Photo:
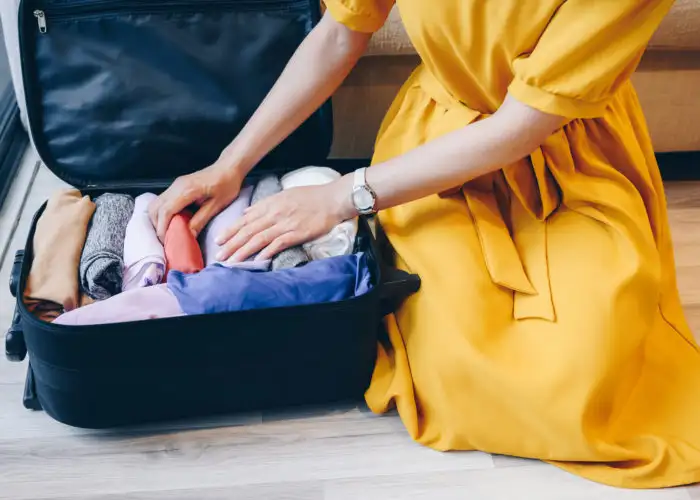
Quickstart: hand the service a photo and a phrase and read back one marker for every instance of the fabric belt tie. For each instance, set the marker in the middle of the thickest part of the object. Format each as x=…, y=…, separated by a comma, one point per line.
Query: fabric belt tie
x=517, y=262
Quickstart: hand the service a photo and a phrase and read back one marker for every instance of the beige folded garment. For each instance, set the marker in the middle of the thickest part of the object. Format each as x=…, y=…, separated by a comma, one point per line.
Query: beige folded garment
x=52, y=286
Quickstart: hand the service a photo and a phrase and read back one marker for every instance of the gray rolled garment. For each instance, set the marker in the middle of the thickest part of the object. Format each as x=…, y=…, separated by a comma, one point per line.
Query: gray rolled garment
x=102, y=260
x=292, y=257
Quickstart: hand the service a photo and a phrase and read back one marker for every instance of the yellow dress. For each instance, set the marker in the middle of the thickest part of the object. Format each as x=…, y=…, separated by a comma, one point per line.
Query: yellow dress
x=549, y=323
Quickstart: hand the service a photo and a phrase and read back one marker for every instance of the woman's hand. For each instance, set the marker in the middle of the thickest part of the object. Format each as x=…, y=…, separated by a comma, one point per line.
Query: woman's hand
x=212, y=189
x=287, y=219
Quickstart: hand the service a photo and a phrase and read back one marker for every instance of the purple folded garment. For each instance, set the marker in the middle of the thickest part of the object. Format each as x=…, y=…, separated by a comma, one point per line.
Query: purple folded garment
x=218, y=289
x=144, y=257
x=138, y=304
x=224, y=220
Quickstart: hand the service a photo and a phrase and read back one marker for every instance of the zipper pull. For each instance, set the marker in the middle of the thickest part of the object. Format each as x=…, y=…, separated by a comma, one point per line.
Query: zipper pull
x=41, y=19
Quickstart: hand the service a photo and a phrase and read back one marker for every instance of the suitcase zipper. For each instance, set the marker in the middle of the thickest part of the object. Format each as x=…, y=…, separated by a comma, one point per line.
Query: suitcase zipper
x=41, y=19
x=81, y=9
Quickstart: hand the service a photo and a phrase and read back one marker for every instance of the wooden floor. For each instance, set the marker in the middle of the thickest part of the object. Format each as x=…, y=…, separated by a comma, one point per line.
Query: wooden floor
x=326, y=453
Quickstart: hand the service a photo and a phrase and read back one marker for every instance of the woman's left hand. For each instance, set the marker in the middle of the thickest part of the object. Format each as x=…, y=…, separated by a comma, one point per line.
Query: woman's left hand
x=287, y=219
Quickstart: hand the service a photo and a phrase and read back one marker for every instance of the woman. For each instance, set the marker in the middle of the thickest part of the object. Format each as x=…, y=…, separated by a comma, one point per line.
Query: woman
x=515, y=174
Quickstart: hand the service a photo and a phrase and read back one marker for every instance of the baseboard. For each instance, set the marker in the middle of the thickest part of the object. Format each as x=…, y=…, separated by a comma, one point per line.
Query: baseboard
x=680, y=166
x=13, y=141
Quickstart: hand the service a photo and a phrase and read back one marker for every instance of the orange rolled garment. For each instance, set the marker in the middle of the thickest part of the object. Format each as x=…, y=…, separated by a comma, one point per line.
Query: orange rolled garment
x=182, y=252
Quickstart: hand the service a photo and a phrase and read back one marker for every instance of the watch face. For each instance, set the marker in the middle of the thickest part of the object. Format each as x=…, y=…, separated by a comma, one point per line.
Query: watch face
x=363, y=199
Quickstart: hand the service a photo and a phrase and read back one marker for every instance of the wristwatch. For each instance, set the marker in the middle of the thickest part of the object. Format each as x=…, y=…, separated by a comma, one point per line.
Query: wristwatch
x=363, y=196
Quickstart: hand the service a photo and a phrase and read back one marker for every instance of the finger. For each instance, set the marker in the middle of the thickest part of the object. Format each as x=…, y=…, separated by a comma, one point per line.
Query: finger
x=242, y=237
x=257, y=243
x=203, y=215
x=245, y=220
x=169, y=207
x=162, y=222
x=280, y=244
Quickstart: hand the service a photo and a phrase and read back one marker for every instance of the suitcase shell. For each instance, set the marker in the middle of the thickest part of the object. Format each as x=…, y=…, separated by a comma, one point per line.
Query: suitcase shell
x=104, y=120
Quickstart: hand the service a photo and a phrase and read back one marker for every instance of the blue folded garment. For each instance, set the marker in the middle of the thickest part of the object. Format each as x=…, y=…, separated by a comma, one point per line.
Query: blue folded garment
x=218, y=289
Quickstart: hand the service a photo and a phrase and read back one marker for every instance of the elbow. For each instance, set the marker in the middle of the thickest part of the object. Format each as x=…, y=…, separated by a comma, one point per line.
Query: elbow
x=524, y=128
x=341, y=39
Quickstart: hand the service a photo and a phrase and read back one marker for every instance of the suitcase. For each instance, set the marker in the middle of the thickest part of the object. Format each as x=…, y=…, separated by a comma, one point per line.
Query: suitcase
x=123, y=96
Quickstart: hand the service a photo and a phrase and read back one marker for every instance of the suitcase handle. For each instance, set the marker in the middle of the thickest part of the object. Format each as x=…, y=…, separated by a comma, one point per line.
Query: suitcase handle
x=15, y=347
x=16, y=272
x=396, y=287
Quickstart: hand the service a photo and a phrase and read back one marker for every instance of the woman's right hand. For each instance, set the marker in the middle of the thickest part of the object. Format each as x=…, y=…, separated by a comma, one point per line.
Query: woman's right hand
x=212, y=189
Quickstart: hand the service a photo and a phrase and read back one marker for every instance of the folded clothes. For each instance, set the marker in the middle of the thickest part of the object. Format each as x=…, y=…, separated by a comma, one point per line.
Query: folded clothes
x=102, y=261
x=309, y=176
x=144, y=255
x=52, y=286
x=138, y=304
x=291, y=257
x=341, y=239
x=219, y=289
x=221, y=222
x=182, y=252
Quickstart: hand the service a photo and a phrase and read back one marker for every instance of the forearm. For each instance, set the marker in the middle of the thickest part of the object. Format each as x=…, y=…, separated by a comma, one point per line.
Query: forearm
x=456, y=158
x=316, y=70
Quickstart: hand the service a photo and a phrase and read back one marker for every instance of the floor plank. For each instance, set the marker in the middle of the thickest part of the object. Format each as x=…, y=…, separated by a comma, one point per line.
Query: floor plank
x=275, y=491
x=534, y=482
x=304, y=450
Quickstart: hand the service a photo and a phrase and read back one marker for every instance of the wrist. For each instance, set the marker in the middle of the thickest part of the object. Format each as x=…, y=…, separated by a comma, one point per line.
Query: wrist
x=230, y=169
x=234, y=161
x=341, y=196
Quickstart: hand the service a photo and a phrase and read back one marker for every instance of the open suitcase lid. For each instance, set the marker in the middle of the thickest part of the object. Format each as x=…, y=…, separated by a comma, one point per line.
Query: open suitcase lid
x=138, y=92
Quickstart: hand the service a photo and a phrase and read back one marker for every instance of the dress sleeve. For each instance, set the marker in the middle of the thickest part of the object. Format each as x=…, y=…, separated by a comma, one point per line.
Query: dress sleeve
x=366, y=16
x=586, y=52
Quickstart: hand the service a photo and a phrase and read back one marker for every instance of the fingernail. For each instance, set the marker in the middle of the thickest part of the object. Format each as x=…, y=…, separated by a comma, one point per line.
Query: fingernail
x=219, y=240
x=219, y=256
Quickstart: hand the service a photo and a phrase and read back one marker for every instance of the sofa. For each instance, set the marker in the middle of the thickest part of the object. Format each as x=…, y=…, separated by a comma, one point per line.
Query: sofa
x=668, y=83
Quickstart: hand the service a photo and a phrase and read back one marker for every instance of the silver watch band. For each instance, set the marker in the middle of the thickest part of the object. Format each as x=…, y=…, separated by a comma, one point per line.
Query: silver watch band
x=362, y=191
x=360, y=179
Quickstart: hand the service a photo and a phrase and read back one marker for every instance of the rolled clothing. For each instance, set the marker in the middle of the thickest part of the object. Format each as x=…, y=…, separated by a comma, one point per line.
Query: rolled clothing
x=182, y=252
x=341, y=239
x=220, y=289
x=52, y=285
x=222, y=222
x=144, y=255
x=309, y=176
x=291, y=257
x=102, y=261
x=137, y=304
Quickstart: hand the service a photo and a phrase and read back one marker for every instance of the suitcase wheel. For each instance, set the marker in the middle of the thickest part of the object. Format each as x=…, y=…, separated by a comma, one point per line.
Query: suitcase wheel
x=15, y=347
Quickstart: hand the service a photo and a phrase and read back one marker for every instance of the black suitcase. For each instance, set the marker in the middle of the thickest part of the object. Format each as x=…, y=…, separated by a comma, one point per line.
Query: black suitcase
x=123, y=96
